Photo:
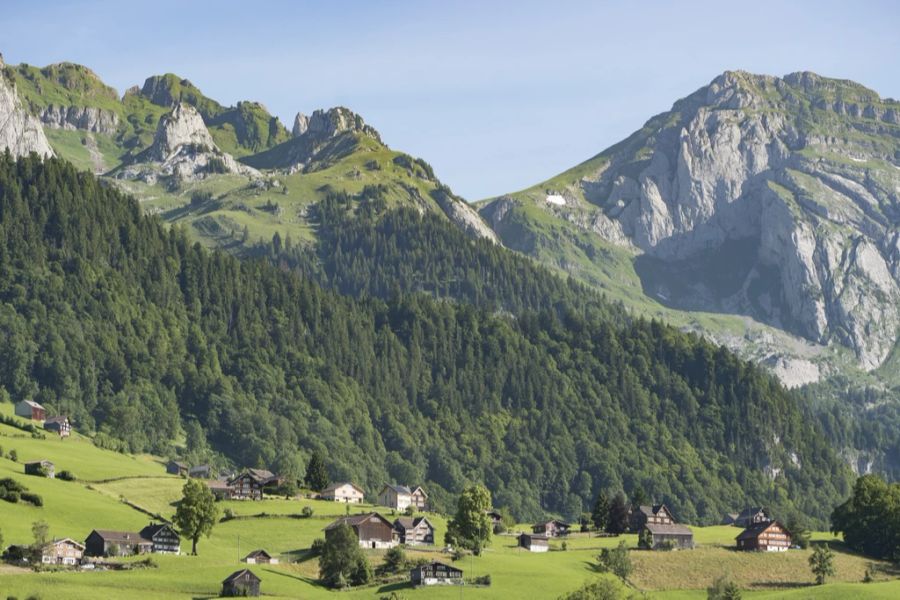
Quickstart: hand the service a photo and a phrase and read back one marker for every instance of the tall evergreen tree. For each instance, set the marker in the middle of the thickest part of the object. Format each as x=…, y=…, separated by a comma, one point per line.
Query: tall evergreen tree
x=316, y=473
x=618, y=515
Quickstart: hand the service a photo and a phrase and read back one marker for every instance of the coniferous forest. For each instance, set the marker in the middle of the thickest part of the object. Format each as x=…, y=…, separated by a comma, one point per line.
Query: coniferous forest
x=396, y=348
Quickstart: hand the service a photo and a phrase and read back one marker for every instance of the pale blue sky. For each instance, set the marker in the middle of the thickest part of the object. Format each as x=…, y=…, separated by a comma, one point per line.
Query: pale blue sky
x=497, y=96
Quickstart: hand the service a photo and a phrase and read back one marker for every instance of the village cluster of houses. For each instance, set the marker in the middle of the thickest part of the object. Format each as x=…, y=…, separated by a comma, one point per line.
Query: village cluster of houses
x=100, y=543
x=33, y=411
x=657, y=529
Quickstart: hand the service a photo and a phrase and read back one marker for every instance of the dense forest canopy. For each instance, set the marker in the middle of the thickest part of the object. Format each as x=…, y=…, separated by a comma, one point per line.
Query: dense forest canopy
x=138, y=334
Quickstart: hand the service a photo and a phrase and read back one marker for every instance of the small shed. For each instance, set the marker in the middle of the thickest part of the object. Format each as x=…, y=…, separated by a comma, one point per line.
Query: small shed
x=662, y=536
x=534, y=542
x=435, y=573
x=260, y=557
x=241, y=583
x=43, y=468
x=176, y=467
x=30, y=410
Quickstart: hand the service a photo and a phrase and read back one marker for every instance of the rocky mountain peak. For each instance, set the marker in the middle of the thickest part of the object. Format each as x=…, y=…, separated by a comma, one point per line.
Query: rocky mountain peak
x=160, y=89
x=20, y=132
x=183, y=126
x=325, y=124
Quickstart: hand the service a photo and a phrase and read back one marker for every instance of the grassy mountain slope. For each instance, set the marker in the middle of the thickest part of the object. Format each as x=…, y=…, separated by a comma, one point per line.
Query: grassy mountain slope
x=132, y=331
x=72, y=509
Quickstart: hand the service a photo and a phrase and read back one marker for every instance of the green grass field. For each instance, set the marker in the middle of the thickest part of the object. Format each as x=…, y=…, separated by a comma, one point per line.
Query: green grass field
x=72, y=509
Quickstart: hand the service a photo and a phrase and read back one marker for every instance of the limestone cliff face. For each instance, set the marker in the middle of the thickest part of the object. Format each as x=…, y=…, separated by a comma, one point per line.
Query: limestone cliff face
x=82, y=118
x=182, y=148
x=803, y=171
x=20, y=132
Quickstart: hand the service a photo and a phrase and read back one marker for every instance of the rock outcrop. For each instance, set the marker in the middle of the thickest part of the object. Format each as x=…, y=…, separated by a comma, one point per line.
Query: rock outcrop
x=182, y=148
x=464, y=216
x=802, y=171
x=81, y=118
x=20, y=132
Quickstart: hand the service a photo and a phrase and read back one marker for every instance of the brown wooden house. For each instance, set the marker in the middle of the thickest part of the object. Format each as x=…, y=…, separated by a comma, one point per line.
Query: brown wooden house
x=551, y=528
x=101, y=542
x=414, y=531
x=249, y=484
x=435, y=573
x=241, y=583
x=657, y=514
x=163, y=537
x=770, y=536
x=371, y=529
x=59, y=425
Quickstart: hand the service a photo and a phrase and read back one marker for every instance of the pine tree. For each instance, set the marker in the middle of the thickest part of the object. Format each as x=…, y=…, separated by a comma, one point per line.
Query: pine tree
x=618, y=515
x=600, y=512
x=316, y=477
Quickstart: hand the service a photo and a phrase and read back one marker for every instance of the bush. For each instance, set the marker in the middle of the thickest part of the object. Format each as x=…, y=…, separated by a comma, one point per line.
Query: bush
x=11, y=496
x=616, y=561
x=13, y=456
x=317, y=546
x=723, y=589
x=484, y=580
x=228, y=514
x=31, y=498
x=200, y=197
x=394, y=561
x=66, y=475
x=307, y=512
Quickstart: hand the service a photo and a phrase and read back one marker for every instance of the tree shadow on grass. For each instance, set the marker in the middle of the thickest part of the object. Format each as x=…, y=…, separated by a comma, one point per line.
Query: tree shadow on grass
x=308, y=580
x=393, y=587
x=779, y=585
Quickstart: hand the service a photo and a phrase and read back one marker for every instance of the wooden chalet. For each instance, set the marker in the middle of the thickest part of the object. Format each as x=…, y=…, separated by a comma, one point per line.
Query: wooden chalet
x=551, y=528
x=749, y=516
x=371, y=529
x=59, y=425
x=175, y=467
x=657, y=514
x=399, y=497
x=534, y=542
x=414, y=531
x=260, y=557
x=770, y=536
x=435, y=573
x=655, y=536
x=29, y=409
x=163, y=537
x=249, y=484
x=219, y=488
x=41, y=468
x=62, y=552
x=241, y=584
x=343, y=492
x=101, y=542
x=495, y=517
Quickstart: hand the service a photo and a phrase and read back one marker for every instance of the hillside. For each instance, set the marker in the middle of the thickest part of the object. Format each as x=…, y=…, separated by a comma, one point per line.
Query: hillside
x=134, y=332
x=105, y=478
x=760, y=211
x=174, y=147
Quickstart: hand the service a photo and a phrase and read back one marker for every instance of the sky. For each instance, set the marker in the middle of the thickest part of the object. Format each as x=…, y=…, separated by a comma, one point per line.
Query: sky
x=497, y=96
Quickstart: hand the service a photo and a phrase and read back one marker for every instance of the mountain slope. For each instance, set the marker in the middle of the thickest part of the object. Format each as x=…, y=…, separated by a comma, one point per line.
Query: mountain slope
x=129, y=328
x=239, y=176
x=763, y=198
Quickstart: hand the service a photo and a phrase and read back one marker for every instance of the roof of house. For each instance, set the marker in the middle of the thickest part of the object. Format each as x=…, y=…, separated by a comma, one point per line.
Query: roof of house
x=41, y=462
x=668, y=529
x=32, y=404
x=199, y=468
x=400, y=489
x=333, y=486
x=434, y=564
x=61, y=419
x=121, y=537
x=651, y=511
x=749, y=512
x=152, y=529
x=554, y=521
x=217, y=484
x=534, y=536
x=257, y=554
x=411, y=522
x=239, y=574
x=64, y=541
x=177, y=463
x=419, y=488
x=754, y=530
x=355, y=520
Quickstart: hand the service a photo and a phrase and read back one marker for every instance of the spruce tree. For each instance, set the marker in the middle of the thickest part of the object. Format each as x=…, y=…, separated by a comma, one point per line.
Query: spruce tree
x=316, y=474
